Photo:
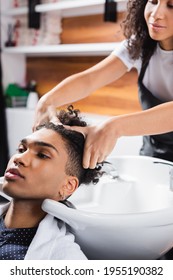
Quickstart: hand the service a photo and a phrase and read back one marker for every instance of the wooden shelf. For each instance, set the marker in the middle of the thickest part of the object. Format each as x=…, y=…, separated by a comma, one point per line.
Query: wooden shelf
x=68, y=8
x=15, y=11
x=89, y=49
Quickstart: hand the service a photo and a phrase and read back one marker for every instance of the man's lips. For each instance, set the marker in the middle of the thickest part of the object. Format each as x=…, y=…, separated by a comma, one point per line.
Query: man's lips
x=13, y=173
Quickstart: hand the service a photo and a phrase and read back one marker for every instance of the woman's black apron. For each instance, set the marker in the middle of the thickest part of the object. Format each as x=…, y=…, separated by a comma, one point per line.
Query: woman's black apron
x=161, y=145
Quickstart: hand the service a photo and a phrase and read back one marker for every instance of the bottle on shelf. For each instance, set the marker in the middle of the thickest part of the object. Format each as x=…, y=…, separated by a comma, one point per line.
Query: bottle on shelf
x=33, y=96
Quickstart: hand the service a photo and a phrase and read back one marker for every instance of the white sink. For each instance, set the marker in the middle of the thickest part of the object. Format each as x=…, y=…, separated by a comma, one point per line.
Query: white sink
x=126, y=218
x=143, y=186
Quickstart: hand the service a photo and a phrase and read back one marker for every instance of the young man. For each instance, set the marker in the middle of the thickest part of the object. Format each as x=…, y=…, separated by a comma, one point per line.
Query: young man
x=48, y=164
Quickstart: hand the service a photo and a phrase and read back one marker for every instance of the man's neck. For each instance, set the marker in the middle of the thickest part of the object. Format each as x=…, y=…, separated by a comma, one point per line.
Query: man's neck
x=24, y=214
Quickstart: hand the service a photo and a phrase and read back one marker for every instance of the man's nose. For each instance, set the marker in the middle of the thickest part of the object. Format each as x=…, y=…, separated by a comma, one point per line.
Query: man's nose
x=22, y=159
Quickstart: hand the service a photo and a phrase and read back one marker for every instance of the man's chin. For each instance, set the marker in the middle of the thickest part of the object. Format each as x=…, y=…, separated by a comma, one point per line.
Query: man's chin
x=5, y=192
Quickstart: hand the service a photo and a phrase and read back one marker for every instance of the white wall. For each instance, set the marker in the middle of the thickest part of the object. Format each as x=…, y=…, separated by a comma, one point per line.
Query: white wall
x=19, y=124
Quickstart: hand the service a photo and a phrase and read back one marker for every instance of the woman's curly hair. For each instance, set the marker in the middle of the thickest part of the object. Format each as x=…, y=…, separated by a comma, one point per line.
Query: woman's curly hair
x=74, y=142
x=135, y=29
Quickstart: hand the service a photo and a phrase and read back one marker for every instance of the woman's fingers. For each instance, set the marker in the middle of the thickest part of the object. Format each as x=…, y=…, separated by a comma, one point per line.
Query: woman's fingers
x=44, y=114
x=99, y=144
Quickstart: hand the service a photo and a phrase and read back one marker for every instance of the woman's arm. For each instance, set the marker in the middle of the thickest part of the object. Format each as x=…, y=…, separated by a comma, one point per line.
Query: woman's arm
x=78, y=86
x=101, y=139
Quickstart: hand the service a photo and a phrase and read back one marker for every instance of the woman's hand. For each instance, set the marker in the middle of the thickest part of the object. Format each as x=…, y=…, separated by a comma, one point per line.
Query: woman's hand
x=99, y=143
x=44, y=112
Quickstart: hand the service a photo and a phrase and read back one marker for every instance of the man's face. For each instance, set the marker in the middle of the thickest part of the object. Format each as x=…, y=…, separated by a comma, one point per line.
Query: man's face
x=37, y=170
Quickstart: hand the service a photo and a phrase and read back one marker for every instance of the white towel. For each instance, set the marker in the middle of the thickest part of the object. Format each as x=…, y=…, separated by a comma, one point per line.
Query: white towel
x=52, y=241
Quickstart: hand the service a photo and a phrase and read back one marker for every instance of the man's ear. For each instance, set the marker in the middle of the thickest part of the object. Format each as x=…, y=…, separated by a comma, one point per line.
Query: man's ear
x=70, y=186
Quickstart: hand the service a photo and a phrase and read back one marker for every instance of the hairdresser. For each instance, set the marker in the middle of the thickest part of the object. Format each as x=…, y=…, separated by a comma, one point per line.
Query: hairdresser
x=148, y=47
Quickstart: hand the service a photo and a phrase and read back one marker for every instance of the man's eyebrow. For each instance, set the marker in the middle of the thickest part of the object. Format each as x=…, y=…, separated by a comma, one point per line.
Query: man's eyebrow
x=39, y=143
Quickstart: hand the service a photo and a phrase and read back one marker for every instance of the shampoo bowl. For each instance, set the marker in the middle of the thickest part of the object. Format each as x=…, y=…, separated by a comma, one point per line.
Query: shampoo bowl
x=126, y=218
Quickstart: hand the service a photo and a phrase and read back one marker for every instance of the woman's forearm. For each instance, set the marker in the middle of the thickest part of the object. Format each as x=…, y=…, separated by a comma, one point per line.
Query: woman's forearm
x=80, y=85
x=156, y=120
x=69, y=90
x=102, y=138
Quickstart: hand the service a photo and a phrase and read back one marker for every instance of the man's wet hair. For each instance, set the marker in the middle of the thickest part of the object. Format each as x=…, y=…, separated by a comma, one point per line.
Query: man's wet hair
x=74, y=143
